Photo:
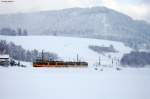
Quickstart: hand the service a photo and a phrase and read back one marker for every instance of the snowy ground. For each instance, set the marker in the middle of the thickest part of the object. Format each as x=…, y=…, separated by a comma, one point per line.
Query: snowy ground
x=72, y=83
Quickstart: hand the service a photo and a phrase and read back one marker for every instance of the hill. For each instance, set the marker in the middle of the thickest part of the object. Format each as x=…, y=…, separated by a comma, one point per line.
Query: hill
x=67, y=48
x=95, y=22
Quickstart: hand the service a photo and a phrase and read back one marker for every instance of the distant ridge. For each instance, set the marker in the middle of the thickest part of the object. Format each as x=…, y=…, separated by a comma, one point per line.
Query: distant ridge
x=95, y=22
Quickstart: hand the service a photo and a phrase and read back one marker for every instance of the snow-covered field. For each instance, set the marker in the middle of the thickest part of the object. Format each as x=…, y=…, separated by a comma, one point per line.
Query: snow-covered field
x=68, y=47
x=72, y=83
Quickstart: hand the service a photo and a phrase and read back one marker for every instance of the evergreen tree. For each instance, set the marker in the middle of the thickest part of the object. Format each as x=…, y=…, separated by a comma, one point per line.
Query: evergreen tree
x=25, y=33
x=19, y=31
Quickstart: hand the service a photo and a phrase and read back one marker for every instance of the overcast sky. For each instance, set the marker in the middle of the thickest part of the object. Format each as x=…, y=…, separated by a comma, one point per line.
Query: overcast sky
x=137, y=9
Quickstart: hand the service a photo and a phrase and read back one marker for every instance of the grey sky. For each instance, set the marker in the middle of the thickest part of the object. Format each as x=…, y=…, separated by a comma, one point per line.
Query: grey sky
x=137, y=9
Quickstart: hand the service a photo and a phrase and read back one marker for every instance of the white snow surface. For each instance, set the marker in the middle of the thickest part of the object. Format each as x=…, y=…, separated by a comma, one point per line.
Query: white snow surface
x=68, y=47
x=72, y=83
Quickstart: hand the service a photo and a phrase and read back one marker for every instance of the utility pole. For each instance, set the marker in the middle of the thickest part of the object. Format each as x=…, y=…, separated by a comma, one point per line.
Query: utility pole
x=77, y=58
x=99, y=62
x=112, y=62
x=42, y=55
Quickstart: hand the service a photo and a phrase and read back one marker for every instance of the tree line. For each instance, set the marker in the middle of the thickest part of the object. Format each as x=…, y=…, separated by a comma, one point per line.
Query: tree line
x=103, y=49
x=136, y=59
x=19, y=53
x=12, y=32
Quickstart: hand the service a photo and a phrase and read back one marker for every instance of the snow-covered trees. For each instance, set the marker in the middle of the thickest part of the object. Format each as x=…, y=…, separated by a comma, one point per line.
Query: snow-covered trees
x=22, y=32
x=136, y=59
x=12, y=32
x=3, y=46
x=8, y=31
x=102, y=49
x=18, y=53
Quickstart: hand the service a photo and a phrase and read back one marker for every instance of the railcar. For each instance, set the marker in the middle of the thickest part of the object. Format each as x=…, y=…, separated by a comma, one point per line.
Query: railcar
x=46, y=63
